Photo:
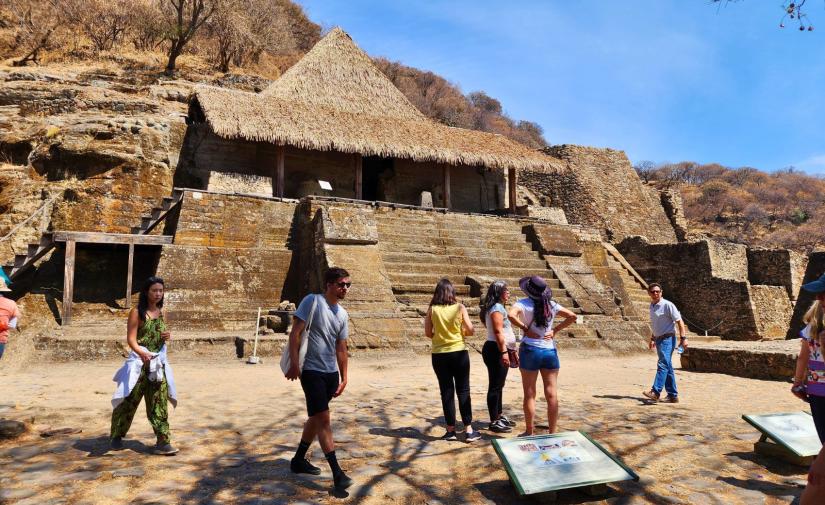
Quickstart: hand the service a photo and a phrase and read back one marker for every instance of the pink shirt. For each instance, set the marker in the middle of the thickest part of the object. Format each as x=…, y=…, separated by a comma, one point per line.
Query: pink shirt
x=8, y=310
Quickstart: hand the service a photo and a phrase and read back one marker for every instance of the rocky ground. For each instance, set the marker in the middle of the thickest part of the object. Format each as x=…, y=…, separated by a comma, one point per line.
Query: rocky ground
x=237, y=426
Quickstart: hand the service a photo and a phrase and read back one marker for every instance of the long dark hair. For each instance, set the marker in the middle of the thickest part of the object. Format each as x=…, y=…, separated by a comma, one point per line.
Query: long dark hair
x=542, y=309
x=143, y=299
x=494, y=293
x=444, y=293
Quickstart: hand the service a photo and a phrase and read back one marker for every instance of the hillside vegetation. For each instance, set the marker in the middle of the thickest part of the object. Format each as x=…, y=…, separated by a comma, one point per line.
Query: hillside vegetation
x=745, y=205
x=196, y=39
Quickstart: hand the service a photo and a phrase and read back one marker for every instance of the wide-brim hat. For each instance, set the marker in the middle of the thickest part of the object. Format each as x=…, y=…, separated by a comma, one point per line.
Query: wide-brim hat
x=535, y=287
x=817, y=286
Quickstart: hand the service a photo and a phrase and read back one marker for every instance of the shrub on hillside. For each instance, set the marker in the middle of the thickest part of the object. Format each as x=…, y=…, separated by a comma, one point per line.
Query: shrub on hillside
x=781, y=209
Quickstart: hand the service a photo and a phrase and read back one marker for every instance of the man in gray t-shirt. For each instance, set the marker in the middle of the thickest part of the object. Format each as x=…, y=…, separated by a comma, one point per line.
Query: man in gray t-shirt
x=326, y=358
x=664, y=321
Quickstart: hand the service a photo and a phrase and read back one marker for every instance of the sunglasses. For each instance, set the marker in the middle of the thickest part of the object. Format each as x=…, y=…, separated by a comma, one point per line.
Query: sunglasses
x=654, y=291
x=343, y=284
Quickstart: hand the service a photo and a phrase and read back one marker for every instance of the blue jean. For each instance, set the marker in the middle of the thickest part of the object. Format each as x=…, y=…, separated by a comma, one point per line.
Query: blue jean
x=2, y=348
x=665, y=377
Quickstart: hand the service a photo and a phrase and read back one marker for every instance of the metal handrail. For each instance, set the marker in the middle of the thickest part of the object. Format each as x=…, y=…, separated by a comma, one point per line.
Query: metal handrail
x=706, y=330
x=31, y=216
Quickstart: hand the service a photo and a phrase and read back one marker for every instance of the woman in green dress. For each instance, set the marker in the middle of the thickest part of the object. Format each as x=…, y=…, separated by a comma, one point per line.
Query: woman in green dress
x=146, y=373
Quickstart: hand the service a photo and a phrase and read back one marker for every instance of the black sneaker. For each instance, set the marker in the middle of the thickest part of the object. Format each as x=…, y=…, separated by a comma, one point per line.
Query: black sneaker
x=450, y=435
x=342, y=481
x=498, y=426
x=506, y=420
x=472, y=437
x=116, y=443
x=303, y=466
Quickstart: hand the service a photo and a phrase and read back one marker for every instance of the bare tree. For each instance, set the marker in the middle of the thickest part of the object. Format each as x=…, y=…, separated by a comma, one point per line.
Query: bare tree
x=646, y=170
x=102, y=21
x=35, y=22
x=185, y=17
x=791, y=11
x=146, y=24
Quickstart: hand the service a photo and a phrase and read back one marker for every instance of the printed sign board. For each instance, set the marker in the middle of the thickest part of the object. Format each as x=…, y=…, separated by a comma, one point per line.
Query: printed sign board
x=794, y=431
x=543, y=463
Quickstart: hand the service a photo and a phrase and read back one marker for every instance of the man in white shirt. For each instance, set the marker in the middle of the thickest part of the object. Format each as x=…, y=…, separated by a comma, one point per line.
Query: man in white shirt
x=664, y=320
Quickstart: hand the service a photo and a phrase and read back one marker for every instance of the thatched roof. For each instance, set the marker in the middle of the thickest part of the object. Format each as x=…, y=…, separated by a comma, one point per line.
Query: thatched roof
x=335, y=98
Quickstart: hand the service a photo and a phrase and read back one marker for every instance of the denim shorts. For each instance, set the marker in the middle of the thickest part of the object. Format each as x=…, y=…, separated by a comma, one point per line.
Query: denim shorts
x=534, y=358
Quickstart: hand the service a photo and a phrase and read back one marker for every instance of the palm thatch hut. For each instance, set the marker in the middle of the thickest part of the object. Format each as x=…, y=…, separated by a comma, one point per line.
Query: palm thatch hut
x=335, y=117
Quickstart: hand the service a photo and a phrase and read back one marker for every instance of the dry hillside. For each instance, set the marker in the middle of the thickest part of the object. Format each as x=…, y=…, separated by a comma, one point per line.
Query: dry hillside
x=260, y=38
x=780, y=209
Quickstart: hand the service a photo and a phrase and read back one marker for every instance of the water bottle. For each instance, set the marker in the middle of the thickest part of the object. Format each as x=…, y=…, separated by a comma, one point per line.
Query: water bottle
x=680, y=349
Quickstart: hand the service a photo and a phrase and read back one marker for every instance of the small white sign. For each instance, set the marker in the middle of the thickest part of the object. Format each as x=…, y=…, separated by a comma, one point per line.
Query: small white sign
x=325, y=185
x=196, y=195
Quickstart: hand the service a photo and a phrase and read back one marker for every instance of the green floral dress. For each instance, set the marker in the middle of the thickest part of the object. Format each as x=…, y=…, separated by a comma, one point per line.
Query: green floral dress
x=156, y=394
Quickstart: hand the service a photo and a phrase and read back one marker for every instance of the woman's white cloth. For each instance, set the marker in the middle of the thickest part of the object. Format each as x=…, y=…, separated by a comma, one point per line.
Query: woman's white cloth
x=127, y=376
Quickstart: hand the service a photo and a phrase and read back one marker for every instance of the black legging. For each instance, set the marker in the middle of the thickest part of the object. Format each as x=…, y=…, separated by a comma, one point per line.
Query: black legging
x=496, y=374
x=453, y=372
x=818, y=413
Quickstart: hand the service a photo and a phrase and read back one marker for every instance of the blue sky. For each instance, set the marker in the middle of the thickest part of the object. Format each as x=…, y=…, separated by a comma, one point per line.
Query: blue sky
x=663, y=80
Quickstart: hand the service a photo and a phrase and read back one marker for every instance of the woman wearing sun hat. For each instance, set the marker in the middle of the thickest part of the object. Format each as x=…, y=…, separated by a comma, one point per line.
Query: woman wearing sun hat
x=535, y=316
x=809, y=379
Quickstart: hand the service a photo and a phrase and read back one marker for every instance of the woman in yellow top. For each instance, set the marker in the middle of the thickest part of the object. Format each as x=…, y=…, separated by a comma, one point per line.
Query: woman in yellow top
x=447, y=323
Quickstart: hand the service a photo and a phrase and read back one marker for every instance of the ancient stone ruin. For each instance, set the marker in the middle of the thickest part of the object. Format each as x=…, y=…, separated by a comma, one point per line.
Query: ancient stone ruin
x=239, y=200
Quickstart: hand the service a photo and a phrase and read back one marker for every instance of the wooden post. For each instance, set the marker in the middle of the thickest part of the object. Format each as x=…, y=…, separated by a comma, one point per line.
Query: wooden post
x=359, y=165
x=279, y=171
x=447, y=186
x=68, y=283
x=511, y=184
x=129, y=276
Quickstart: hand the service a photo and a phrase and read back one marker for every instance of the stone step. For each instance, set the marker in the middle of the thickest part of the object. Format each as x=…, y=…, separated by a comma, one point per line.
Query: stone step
x=460, y=289
x=472, y=231
x=449, y=219
x=434, y=261
x=526, y=258
x=455, y=245
x=457, y=273
x=456, y=278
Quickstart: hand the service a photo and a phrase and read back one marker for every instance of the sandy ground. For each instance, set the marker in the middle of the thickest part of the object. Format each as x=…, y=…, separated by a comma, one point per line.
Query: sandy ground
x=237, y=426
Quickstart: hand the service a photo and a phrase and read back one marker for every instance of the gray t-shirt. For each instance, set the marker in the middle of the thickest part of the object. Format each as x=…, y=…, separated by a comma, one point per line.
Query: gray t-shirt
x=330, y=323
x=663, y=317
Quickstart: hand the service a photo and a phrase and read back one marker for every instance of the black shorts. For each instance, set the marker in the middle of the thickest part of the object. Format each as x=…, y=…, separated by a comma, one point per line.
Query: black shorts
x=318, y=390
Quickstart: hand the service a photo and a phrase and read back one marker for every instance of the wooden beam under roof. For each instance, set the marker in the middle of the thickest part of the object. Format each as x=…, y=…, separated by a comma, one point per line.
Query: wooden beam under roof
x=89, y=237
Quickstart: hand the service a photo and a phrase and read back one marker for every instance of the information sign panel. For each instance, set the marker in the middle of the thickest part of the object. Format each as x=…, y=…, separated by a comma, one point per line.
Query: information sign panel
x=541, y=463
x=794, y=431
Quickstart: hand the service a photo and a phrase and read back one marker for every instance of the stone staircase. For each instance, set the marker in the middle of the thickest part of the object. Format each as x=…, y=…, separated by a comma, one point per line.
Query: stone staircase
x=637, y=292
x=158, y=214
x=23, y=262
x=420, y=247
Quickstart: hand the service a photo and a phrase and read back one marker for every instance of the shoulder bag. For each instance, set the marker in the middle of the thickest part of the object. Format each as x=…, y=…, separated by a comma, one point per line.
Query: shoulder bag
x=286, y=363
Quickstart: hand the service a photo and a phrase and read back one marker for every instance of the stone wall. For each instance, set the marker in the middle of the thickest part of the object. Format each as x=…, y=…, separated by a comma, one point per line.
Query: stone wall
x=601, y=189
x=777, y=267
x=772, y=309
x=345, y=235
x=242, y=249
x=675, y=210
x=814, y=269
x=706, y=281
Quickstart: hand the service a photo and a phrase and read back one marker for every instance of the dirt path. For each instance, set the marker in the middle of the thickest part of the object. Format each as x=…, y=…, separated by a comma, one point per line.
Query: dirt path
x=237, y=426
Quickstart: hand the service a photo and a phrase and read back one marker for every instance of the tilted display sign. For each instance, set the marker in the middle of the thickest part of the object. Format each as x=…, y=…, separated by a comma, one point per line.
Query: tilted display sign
x=542, y=463
x=793, y=431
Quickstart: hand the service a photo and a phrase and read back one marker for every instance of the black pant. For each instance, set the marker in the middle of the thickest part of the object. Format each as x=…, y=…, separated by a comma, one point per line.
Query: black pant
x=453, y=372
x=818, y=413
x=496, y=374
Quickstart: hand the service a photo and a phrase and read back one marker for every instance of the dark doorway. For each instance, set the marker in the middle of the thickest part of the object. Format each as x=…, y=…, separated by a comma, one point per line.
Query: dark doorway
x=375, y=171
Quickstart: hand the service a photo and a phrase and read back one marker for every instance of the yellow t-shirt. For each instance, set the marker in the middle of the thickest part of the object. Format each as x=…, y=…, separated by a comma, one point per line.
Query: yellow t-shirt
x=447, y=328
